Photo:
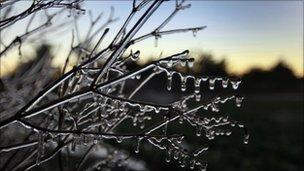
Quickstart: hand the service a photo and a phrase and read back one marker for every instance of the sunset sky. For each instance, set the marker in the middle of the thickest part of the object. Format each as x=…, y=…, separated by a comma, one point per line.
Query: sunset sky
x=244, y=33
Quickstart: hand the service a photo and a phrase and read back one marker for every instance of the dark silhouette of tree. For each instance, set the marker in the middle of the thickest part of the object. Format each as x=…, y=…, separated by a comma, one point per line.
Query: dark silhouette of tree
x=279, y=78
x=210, y=67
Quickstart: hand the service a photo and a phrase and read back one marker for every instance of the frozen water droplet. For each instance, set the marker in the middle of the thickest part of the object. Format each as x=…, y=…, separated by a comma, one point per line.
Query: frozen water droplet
x=192, y=164
x=169, y=81
x=233, y=123
x=238, y=101
x=225, y=82
x=228, y=133
x=169, y=63
x=119, y=139
x=168, y=155
x=203, y=167
x=194, y=32
x=246, y=139
x=183, y=83
x=138, y=145
x=157, y=109
x=183, y=162
x=176, y=154
x=138, y=76
x=135, y=56
x=212, y=83
x=181, y=120
x=197, y=83
x=156, y=39
x=215, y=107
x=190, y=63
x=179, y=139
x=142, y=125
x=199, y=131
x=240, y=125
x=235, y=83
x=95, y=141
x=198, y=97
x=183, y=63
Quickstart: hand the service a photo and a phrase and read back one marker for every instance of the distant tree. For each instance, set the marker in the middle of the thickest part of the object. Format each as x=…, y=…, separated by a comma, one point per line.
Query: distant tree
x=210, y=67
x=279, y=78
x=282, y=72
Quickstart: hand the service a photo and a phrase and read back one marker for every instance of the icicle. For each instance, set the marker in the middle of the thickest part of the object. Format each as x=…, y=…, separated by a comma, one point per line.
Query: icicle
x=194, y=32
x=238, y=101
x=197, y=88
x=179, y=139
x=156, y=40
x=240, y=125
x=138, y=76
x=215, y=107
x=157, y=109
x=135, y=56
x=137, y=146
x=183, y=83
x=175, y=154
x=190, y=63
x=169, y=63
x=199, y=131
x=119, y=139
x=169, y=81
x=142, y=109
x=183, y=63
x=142, y=125
x=198, y=97
x=233, y=123
x=95, y=140
x=181, y=119
x=211, y=83
x=246, y=139
x=203, y=167
x=225, y=82
x=192, y=164
x=246, y=136
x=168, y=155
x=183, y=161
x=228, y=133
x=235, y=83
x=197, y=83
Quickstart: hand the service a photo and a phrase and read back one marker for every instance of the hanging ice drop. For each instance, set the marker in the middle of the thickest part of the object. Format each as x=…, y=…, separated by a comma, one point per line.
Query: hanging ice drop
x=225, y=82
x=190, y=63
x=183, y=83
x=211, y=83
x=238, y=101
x=235, y=83
x=168, y=155
x=198, y=97
x=197, y=87
x=137, y=146
x=135, y=56
x=169, y=81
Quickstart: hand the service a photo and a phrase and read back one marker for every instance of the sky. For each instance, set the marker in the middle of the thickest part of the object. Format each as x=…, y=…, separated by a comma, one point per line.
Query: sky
x=245, y=33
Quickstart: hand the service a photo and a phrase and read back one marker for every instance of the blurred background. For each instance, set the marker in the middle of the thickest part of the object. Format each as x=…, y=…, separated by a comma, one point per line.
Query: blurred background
x=259, y=41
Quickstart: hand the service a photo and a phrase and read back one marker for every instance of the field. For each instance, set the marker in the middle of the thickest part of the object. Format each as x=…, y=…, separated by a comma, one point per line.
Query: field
x=276, y=138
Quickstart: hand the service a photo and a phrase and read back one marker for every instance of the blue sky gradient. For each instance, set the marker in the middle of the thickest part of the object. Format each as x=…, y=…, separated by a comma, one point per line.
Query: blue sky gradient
x=244, y=33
